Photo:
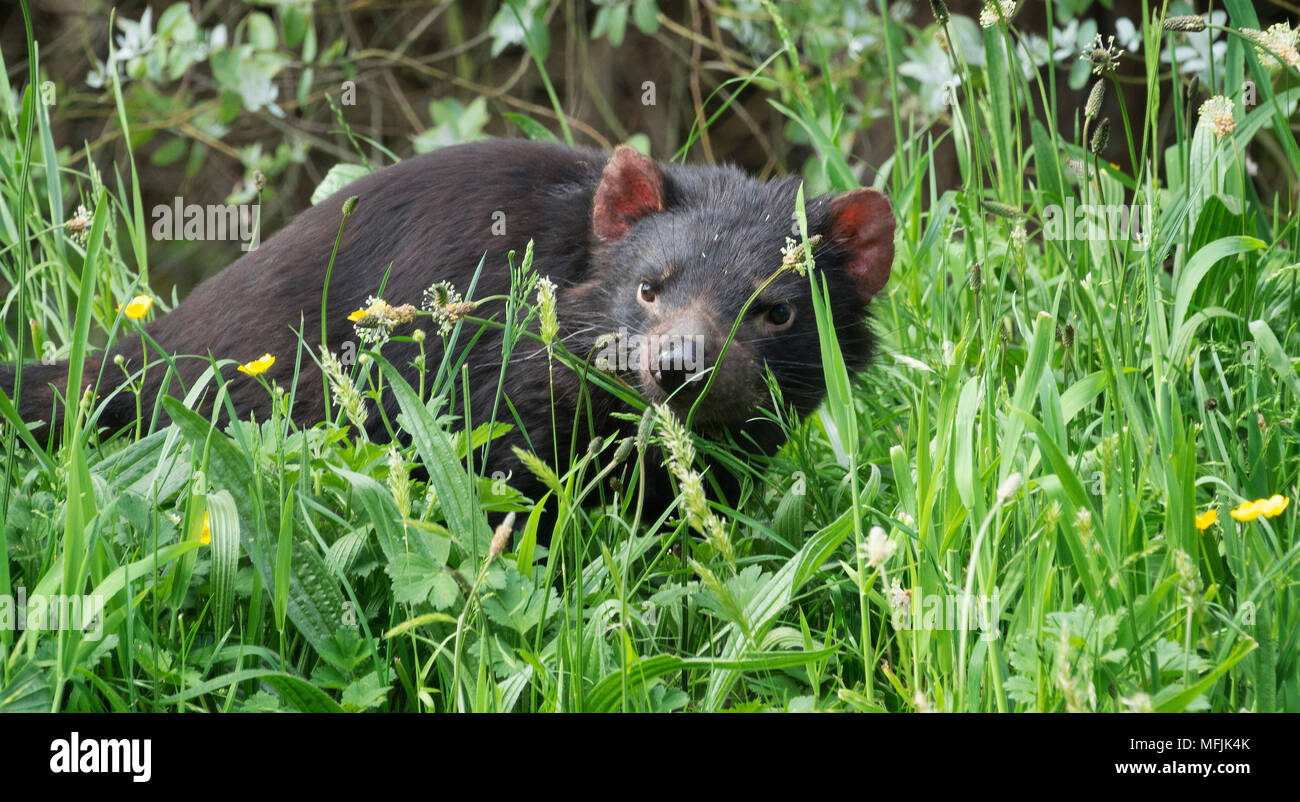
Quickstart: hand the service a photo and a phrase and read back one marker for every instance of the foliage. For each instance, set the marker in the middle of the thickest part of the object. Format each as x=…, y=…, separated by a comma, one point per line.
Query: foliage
x=1048, y=419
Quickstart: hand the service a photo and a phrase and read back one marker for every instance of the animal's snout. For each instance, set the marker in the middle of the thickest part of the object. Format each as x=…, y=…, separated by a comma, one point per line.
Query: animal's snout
x=678, y=362
x=677, y=356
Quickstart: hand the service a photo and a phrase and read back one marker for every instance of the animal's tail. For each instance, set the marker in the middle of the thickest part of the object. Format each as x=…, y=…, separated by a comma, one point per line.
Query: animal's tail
x=41, y=400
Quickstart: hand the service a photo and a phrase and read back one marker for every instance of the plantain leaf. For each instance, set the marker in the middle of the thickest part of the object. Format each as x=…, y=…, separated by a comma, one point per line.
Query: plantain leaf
x=1199, y=265
x=223, y=523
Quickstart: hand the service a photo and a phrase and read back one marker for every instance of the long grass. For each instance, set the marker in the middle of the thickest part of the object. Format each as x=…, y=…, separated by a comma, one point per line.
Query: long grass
x=1047, y=423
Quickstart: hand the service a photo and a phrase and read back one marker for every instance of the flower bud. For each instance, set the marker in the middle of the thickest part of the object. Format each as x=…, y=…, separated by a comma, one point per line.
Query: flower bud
x=1093, y=107
x=1101, y=138
x=1189, y=24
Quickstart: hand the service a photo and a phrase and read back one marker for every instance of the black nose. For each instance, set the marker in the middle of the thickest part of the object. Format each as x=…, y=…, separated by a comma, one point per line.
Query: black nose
x=679, y=362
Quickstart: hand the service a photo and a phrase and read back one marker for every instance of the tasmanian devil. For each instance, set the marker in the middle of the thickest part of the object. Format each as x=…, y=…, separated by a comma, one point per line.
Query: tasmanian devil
x=664, y=253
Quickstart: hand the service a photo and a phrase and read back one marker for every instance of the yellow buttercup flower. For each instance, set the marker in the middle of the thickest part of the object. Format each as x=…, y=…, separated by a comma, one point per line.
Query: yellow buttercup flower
x=258, y=366
x=1270, y=507
x=138, y=307
x=1246, y=511
x=1207, y=519
x=357, y=315
x=206, y=537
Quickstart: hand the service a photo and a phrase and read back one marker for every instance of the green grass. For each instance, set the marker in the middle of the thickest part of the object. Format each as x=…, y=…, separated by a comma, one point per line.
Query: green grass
x=1044, y=423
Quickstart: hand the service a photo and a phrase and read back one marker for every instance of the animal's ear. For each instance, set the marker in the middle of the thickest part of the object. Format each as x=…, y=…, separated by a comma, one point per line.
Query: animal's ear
x=631, y=187
x=862, y=223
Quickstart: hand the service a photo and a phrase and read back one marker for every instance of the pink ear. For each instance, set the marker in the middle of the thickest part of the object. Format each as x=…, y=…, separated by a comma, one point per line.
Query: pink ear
x=862, y=222
x=631, y=187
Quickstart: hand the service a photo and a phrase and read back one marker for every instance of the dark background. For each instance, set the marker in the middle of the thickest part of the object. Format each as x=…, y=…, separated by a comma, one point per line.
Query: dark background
x=402, y=55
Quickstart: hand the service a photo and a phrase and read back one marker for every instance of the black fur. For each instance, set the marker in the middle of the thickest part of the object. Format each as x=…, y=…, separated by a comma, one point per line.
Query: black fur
x=430, y=217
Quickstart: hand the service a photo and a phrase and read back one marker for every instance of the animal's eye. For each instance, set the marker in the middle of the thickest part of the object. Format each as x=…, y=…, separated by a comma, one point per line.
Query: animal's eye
x=647, y=292
x=780, y=315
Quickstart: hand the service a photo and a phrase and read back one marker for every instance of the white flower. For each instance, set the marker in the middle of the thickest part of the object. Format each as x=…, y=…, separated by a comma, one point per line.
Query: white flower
x=899, y=598
x=1139, y=702
x=1104, y=59
x=1279, y=39
x=1217, y=113
x=399, y=482
x=681, y=456
x=922, y=704
x=344, y=391
x=1009, y=486
x=1019, y=237
x=879, y=547
x=989, y=15
x=550, y=326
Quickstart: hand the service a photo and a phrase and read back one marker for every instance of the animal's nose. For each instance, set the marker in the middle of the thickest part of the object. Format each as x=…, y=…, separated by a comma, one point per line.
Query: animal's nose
x=678, y=363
